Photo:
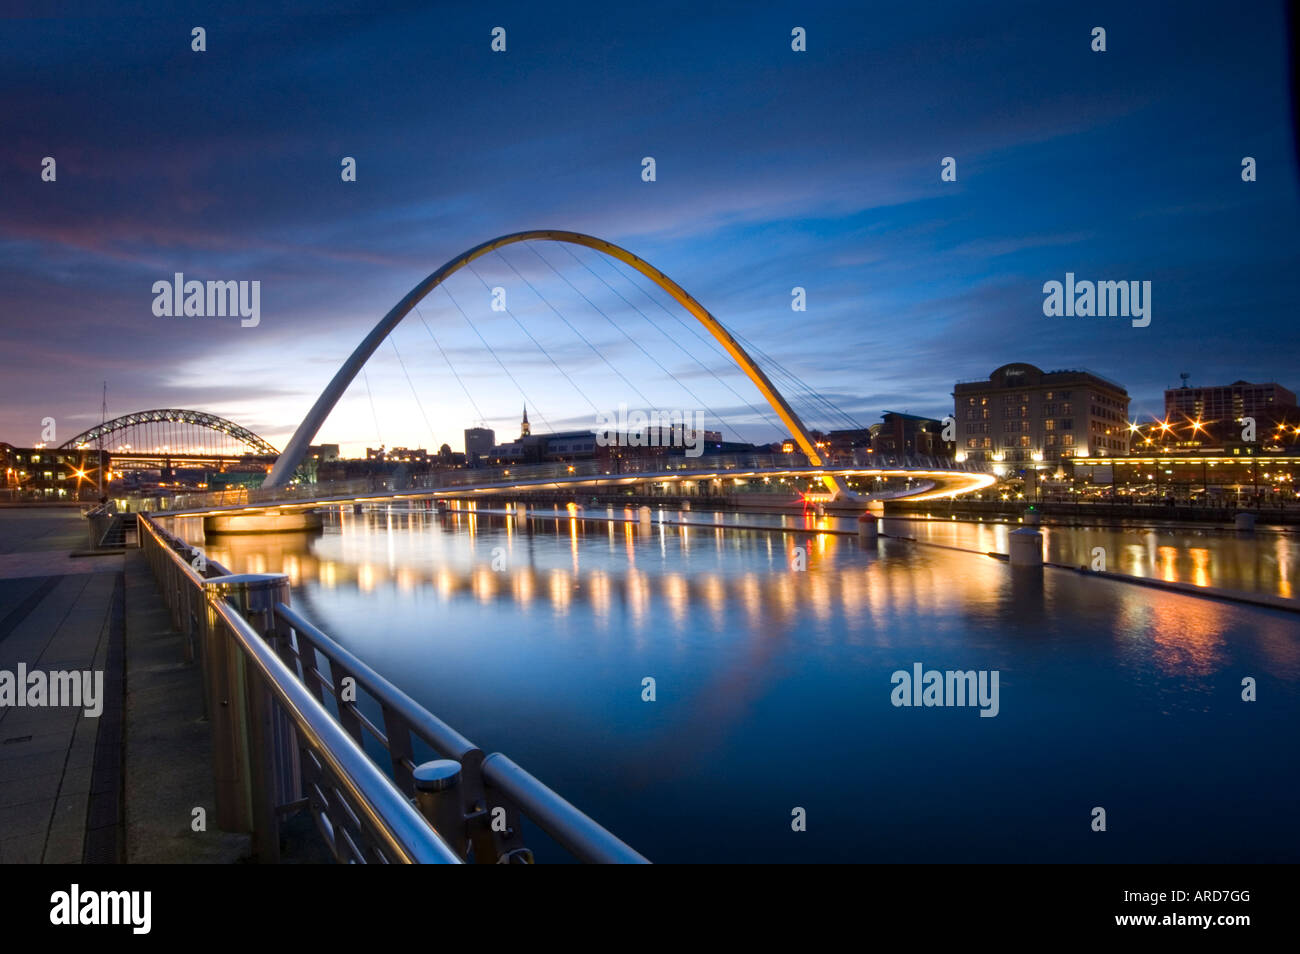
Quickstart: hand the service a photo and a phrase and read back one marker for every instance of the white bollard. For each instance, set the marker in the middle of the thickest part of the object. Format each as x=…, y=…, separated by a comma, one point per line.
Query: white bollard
x=521, y=511
x=645, y=515
x=1026, y=547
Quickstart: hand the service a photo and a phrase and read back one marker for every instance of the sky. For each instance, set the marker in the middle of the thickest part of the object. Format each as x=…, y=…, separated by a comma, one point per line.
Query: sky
x=775, y=169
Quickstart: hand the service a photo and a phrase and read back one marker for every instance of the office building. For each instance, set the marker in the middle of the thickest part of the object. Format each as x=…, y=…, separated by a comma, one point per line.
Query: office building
x=1021, y=413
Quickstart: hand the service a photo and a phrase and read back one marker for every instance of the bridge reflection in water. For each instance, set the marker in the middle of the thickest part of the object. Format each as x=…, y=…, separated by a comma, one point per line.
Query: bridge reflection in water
x=773, y=686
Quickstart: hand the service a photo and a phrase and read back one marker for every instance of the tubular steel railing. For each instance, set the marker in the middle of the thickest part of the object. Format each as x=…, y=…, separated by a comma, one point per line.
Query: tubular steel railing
x=467, y=806
x=265, y=723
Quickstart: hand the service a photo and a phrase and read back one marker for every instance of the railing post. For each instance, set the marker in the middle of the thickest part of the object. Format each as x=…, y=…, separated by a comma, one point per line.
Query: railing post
x=255, y=750
x=440, y=798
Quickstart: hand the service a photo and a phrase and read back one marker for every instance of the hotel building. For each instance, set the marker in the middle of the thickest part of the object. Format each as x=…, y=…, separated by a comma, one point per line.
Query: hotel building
x=1022, y=414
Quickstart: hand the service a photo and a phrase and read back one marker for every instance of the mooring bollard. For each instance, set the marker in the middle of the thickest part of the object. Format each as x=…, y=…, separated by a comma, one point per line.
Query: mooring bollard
x=1026, y=547
x=439, y=797
x=868, y=526
x=645, y=516
x=1031, y=517
x=1245, y=521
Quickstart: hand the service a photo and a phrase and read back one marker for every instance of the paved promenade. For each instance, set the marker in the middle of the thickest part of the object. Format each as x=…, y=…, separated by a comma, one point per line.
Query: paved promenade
x=121, y=786
x=60, y=771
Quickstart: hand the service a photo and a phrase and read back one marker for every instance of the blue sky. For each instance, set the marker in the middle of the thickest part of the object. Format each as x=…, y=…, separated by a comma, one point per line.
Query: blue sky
x=774, y=169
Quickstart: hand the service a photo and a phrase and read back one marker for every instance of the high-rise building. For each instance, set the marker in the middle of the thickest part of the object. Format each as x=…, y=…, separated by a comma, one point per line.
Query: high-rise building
x=1228, y=402
x=479, y=442
x=1022, y=413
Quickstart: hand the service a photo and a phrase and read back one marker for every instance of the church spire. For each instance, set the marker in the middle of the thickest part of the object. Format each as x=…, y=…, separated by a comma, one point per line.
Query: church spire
x=524, y=430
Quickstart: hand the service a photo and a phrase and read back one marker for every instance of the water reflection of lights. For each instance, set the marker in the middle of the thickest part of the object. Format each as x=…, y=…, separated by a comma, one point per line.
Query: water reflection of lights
x=1187, y=634
x=1167, y=560
x=1200, y=566
x=1283, y=559
x=523, y=586
x=484, y=583
x=677, y=595
x=638, y=594
x=598, y=593
x=716, y=595
x=415, y=549
x=820, y=589
x=751, y=597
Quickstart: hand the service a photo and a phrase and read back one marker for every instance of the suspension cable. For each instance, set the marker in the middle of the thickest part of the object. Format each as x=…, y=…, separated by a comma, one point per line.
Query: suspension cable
x=531, y=338
x=450, y=367
x=492, y=352
x=763, y=415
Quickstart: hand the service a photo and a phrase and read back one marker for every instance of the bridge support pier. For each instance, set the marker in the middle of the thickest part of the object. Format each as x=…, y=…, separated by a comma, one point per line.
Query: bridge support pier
x=265, y=522
x=1026, y=546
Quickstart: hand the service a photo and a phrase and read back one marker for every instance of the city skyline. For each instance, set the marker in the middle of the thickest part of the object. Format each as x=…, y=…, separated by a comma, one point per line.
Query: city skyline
x=912, y=283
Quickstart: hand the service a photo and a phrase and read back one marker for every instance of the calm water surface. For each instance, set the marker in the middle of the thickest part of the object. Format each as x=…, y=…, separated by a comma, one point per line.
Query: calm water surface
x=773, y=686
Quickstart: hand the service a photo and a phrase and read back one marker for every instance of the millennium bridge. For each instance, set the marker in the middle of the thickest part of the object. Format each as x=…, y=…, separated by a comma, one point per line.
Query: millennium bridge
x=300, y=724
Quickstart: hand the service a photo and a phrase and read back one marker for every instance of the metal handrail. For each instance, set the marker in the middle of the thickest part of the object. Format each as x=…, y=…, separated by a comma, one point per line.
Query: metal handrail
x=401, y=831
x=442, y=737
x=492, y=774
x=555, y=816
x=406, y=833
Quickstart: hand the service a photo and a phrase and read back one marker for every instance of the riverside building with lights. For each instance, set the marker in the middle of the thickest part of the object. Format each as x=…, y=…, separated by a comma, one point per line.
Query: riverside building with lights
x=41, y=473
x=1022, y=416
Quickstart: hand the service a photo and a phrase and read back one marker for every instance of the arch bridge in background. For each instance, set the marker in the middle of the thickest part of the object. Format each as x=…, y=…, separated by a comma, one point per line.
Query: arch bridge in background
x=173, y=416
x=296, y=449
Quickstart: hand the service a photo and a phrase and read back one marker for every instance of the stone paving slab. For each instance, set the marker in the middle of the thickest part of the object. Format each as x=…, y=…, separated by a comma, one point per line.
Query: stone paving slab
x=168, y=741
x=49, y=529
x=51, y=620
x=18, y=565
x=122, y=786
